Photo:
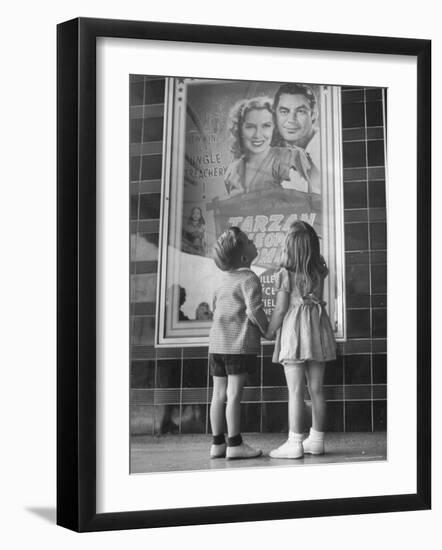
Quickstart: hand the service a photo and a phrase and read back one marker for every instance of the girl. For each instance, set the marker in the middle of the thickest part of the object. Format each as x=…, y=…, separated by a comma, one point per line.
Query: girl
x=305, y=340
x=257, y=165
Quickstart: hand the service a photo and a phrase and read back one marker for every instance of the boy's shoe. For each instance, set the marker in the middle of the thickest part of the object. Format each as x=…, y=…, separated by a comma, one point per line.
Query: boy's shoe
x=218, y=451
x=243, y=451
x=313, y=446
x=289, y=449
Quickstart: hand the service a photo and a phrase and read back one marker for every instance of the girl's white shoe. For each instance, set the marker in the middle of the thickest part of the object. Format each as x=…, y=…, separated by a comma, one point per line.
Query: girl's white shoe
x=290, y=449
x=313, y=446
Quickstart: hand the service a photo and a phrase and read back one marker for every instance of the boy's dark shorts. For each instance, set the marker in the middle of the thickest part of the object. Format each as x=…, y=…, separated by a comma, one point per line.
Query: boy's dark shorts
x=224, y=364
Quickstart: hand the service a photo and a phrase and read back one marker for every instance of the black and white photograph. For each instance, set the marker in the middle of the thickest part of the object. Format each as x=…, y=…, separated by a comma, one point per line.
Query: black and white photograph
x=258, y=274
x=221, y=248
x=243, y=215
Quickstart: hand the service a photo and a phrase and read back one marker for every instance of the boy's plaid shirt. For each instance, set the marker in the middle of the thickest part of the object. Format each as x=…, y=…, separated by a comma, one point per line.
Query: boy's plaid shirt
x=239, y=318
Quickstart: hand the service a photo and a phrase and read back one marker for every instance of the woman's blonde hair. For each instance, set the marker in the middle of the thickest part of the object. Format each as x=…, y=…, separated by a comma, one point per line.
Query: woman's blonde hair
x=238, y=114
x=301, y=255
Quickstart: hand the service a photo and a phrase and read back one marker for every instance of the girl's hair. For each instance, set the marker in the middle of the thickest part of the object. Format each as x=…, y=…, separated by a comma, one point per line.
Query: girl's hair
x=228, y=249
x=237, y=116
x=301, y=255
x=201, y=221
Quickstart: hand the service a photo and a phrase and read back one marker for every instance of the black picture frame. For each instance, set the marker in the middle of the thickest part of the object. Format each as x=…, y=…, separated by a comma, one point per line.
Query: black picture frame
x=76, y=274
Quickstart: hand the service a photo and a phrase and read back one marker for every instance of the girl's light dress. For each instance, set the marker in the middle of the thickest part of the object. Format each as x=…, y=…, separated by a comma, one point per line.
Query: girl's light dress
x=306, y=333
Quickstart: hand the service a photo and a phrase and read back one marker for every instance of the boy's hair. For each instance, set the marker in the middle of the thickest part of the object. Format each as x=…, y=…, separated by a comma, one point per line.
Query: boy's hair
x=228, y=249
x=301, y=255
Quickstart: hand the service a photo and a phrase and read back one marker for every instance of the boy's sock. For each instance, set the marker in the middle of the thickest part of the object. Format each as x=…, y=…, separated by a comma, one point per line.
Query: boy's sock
x=219, y=439
x=234, y=441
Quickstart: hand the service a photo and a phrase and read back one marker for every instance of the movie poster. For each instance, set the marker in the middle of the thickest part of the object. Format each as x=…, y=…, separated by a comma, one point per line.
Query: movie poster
x=255, y=155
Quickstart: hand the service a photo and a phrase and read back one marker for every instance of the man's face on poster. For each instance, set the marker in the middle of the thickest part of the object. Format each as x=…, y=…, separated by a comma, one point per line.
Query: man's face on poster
x=294, y=119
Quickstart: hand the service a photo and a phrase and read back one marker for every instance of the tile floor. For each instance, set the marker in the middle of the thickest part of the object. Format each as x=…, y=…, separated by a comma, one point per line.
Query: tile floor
x=168, y=453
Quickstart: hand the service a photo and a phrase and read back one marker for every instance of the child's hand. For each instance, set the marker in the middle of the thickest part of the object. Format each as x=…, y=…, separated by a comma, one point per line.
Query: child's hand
x=269, y=335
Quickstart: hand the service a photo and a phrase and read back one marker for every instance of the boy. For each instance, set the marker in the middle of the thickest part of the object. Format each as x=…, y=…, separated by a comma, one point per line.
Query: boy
x=238, y=322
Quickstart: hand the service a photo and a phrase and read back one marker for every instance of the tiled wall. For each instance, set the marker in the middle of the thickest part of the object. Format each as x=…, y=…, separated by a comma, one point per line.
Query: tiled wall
x=170, y=388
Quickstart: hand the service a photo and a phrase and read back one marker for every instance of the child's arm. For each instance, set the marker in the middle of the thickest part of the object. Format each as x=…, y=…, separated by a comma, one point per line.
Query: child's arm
x=282, y=304
x=254, y=307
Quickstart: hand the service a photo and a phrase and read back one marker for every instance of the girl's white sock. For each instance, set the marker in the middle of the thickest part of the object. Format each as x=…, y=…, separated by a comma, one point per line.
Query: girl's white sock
x=293, y=436
x=317, y=436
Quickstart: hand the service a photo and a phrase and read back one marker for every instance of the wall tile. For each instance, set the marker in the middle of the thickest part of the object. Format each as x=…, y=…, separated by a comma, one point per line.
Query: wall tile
x=378, y=235
x=155, y=91
x=168, y=373
x=357, y=279
x=134, y=207
x=250, y=417
x=141, y=420
x=379, y=415
x=135, y=130
x=358, y=301
x=379, y=320
x=379, y=368
x=142, y=374
x=379, y=300
x=144, y=247
x=358, y=416
x=375, y=152
x=357, y=369
x=193, y=419
x=144, y=287
x=358, y=323
x=195, y=373
x=373, y=94
x=353, y=115
x=167, y=419
x=143, y=331
x=255, y=378
x=136, y=93
x=355, y=194
x=354, y=154
x=376, y=194
x=151, y=167
x=356, y=236
x=150, y=206
x=152, y=129
x=335, y=416
x=274, y=417
x=379, y=279
x=374, y=113
x=135, y=168
x=334, y=372
x=350, y=95
x=273, y=374
x=379, y=345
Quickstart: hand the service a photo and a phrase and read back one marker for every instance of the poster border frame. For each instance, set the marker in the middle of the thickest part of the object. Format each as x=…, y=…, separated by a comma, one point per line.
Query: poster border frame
x=77, y=286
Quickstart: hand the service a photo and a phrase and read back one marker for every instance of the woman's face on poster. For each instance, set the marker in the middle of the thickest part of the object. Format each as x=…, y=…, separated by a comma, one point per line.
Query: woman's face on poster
x=257, y=131
x=294, y=119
